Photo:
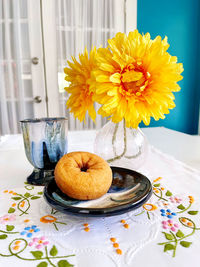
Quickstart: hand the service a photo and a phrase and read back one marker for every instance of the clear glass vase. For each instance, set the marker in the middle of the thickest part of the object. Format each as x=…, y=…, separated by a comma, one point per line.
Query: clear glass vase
x=121, y=146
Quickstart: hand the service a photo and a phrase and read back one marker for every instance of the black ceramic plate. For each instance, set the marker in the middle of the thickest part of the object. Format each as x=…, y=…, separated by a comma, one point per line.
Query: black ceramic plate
x=129, y=191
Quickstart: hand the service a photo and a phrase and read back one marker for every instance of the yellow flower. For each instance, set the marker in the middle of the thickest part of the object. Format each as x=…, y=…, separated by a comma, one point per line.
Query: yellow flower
x=78, y=74
x=135, y=78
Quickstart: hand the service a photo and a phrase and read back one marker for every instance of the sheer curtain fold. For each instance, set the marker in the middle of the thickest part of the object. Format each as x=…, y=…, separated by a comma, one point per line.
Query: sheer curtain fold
x=12, y=96
x=80, y=24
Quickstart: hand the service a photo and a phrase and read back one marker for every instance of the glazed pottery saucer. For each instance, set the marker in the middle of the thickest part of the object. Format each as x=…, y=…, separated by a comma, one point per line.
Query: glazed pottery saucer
x=129, y=191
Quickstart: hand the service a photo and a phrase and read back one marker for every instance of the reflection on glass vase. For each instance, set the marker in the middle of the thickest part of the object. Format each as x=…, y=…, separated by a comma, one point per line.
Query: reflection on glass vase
x=121, y=146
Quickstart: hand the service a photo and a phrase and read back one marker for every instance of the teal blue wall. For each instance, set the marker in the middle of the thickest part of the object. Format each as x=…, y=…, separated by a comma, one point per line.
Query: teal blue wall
x=180, y=21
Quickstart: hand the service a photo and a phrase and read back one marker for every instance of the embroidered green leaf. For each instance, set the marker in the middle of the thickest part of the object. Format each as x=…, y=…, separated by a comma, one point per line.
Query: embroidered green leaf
x=10, y=227
x=180, y=207
x=64, y=263
x=193, y=212
x=168, y=236
x=168, y=247
x=180, y=233
x=185, y=244
x=37, y=254
x=3, y=236
x=11, y=210
x=40, y=193
x=35, y=197
x=53, y=251
x=16, y=198
x=156, y=185
x=42, y=264
x=27, y=194
x=168, y=193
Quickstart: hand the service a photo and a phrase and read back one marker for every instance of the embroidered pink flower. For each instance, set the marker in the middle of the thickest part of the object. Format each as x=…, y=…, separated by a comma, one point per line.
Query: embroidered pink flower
x=39, y=242
x=169, y=224
x=7, y=218
x=175, y=199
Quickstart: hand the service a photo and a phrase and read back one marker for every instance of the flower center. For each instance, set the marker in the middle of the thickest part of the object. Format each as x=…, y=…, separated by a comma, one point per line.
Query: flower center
x=134, y=80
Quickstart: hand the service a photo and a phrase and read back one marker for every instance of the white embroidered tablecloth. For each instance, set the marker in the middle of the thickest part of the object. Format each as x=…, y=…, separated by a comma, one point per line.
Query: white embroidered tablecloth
x=164, y=232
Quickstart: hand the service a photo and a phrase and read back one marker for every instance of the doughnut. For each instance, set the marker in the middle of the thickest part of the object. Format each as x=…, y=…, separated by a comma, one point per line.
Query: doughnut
x=83, y=175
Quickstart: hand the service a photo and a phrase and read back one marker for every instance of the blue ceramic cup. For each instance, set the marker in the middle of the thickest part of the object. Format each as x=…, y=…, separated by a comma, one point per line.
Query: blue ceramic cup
x=45, y=142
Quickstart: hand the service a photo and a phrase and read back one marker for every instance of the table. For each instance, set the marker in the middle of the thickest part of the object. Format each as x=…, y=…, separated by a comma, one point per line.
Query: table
x=183, y=147
x=136, y=253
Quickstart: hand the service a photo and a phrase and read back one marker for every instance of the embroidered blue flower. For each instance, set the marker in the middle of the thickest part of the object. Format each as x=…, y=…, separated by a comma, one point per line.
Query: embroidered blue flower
x=28, y=231
x=167, y=213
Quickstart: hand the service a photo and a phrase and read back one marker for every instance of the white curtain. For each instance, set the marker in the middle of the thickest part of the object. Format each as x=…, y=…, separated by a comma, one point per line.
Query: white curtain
x=15, y=74
x=80, y=24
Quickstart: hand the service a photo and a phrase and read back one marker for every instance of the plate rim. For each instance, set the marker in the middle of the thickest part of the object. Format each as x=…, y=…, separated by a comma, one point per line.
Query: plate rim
x=100, y=211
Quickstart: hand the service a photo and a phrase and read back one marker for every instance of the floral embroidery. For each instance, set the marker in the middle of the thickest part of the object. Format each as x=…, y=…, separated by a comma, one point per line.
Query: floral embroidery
x=116, y=245
x=28, y=231
x=175, y=199
x=17, y=246
x=167, y=213
x=126, y=225
x=191, y=199
x=39, y=242
x=48, y=219
x=163, y=204
x=147, y=207
x=86, y=227
x=7, y=218
x=51, y=219
x=23, y=204
x=157, y=179
x=169, y=224
x=186, y=222
x=183, y=208
x=177, y=236
x=9, y=230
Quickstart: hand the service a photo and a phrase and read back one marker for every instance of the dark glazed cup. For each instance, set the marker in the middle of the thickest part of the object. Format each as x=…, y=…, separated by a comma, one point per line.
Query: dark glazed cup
x=45, y=142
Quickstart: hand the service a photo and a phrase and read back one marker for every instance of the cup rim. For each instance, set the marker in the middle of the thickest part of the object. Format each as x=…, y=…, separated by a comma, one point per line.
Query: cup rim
x=45, y=119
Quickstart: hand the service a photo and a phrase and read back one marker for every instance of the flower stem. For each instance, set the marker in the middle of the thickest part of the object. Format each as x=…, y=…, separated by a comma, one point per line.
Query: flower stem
x=181, y=237
x=55, y=226
x=176, y=243
x=185, y=209
x=46, y=252
x=36, y=259
x=114, y=138
x=139, y=213
x=160, y=197
x=18, y=206
x=5, y=232
x=125, y=144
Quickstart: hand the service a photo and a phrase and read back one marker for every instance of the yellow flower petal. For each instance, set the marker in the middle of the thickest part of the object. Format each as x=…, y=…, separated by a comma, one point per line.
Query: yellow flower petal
x=115, y=78
x=79, y=74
